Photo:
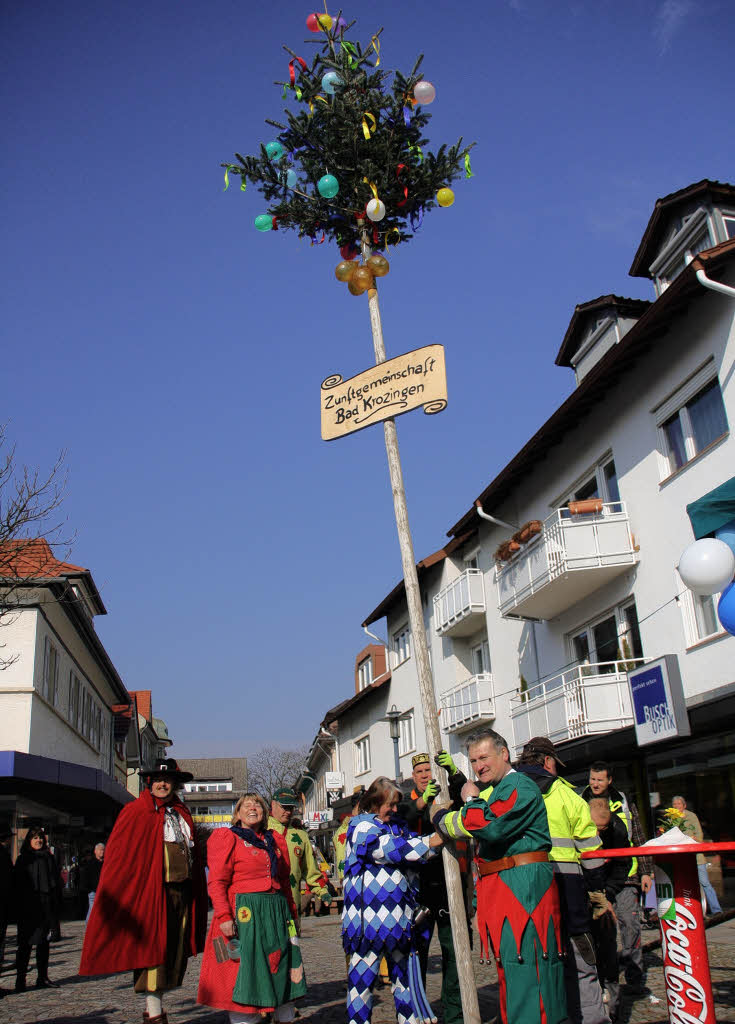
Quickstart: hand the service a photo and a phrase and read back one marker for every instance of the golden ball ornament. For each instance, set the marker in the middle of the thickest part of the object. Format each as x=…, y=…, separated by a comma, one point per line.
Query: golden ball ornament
x=356, y=287
x=344, y=270
x=379, y=265
x=363, y=277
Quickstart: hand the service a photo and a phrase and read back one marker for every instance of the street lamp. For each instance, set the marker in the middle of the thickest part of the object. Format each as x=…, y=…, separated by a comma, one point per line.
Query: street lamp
x=393, y=718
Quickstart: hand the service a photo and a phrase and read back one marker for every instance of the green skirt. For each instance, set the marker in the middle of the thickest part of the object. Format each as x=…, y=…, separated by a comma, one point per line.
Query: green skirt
x=271, y=969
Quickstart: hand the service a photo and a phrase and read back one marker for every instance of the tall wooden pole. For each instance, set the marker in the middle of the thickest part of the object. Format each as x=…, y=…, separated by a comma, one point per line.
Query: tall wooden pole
x=457, y=909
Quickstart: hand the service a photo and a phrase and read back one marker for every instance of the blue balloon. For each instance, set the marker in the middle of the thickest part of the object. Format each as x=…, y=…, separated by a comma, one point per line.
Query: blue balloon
x=292, y=178
x=330, y=82
x=726, y=608
x=726, y=534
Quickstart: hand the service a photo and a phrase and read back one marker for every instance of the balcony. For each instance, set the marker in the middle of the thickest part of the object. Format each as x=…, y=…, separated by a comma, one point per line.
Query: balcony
x=469, y=703
x=571, y=558
x=583, y=701
x=459, y=609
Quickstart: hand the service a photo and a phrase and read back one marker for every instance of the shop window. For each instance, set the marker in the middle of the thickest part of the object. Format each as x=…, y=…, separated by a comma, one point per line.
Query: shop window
x=690, y=420
x=362, y=755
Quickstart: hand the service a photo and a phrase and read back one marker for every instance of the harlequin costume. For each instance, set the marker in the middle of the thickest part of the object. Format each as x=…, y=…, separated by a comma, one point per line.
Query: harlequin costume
x=248, y=883
x=433, y=895
x=300, y=854
x=379, y=897
x=150, y=911
x=517, y=903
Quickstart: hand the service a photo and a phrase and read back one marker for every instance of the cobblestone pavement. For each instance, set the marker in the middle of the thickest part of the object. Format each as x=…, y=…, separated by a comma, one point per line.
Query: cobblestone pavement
x=110, y=1000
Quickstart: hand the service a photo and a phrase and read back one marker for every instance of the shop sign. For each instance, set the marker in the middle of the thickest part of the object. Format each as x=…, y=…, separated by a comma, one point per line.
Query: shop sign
x=657, y=696
x=334, y=780
x=316, y=818
x=414, y=380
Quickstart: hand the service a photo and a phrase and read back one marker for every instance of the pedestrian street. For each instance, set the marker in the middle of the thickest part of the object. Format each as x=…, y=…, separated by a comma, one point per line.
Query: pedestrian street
x=111, y=1000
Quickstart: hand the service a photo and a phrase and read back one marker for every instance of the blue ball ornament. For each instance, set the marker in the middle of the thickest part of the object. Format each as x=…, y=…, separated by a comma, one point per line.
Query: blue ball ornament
x=328, y=186
x=331, y=82
x=264, y=222
x=292, y=178
x=726, y=609
x=274, y=150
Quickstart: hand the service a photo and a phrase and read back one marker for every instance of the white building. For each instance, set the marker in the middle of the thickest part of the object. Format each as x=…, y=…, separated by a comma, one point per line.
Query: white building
x=62, y=703
x=533, y=631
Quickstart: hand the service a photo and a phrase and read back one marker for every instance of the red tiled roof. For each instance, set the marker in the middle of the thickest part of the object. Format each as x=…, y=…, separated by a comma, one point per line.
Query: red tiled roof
x=143, y=700
x=122, y=716
x=30, y=559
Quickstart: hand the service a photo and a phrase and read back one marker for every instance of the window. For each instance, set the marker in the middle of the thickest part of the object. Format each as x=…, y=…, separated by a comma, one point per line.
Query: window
x=50, y=682
x=700, y=616
x=401, y=645
x=692, y=237
x=362, y=755
x=729, y=222
x=74, y=688
x=691, y=420
x=407, y=735
x=609, y=642
x=472, y=559
x=365, y=673
x=480, y=658
x=601, y=482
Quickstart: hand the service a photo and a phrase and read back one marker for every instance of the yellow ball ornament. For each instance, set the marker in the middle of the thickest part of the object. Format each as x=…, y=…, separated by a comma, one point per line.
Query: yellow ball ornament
x=445, y=197
x=325, y=21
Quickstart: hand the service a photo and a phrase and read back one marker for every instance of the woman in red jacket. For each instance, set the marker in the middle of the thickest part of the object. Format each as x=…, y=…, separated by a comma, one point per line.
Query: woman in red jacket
x=253, y=906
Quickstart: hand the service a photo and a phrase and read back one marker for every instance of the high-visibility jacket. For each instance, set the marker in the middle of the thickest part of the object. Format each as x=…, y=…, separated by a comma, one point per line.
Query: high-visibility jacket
x=619, y=806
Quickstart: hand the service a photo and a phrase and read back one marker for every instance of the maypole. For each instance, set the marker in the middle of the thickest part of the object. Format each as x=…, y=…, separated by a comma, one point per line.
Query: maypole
x=351, y=165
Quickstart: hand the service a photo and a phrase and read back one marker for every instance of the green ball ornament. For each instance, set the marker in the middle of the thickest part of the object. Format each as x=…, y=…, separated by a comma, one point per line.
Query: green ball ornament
x=264, y=222
x=328, y=186
x=274, y=150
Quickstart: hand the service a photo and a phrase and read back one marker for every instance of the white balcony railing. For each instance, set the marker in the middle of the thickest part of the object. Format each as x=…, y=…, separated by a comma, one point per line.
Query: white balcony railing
x=459, y=608
x=570, y=558
x=468, y=703
x=582, y=701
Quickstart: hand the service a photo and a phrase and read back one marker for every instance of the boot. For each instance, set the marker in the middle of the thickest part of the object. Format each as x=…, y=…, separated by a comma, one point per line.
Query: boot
x=161, y=1019
x=22, y=959
x=42, y=956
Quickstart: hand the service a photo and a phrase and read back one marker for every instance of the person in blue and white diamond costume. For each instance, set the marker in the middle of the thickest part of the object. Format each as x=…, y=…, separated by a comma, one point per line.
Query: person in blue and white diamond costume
x=379, y=895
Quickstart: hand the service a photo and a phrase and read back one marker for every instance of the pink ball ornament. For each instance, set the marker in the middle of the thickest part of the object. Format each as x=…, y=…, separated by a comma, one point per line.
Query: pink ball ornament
x=375, y=209
x=424, y=92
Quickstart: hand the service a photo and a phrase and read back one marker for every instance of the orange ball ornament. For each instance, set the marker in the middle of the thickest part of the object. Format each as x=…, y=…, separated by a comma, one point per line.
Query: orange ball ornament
x=344, y=270
x=363, y=276
x=379, y=265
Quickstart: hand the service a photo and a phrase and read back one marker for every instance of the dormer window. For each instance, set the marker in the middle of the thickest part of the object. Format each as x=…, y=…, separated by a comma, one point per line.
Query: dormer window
x=728, y=220
x=692, y=237
x=365, y=673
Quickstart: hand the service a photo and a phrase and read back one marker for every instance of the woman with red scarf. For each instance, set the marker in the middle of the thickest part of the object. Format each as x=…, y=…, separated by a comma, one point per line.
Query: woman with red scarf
x=252, y=960
x=150, y=911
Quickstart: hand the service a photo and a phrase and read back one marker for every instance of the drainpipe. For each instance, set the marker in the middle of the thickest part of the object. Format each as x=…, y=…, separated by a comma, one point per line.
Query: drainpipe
x=707, y=282
x=491, y=519
x=374, y=637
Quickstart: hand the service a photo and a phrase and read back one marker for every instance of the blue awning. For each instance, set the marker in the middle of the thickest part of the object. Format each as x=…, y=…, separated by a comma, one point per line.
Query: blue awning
x=714, y=510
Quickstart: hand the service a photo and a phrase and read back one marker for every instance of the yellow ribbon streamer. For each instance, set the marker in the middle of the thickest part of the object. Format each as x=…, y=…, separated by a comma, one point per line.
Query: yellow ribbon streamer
x=243, y=179
x=366, y=131
x=375, y=43
x=387, y=237
x=373, y=189
x=468, y=166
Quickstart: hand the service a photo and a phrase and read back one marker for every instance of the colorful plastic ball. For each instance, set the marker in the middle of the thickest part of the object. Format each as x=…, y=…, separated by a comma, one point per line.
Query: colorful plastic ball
x=328, y=186
x=375, y=209
x=445, y=197
x=344, y=270
x=379, y=265
x=274, y=150
x=340, y=25
x=707, y=566
x=355, y=287
x=312, y=23
x=331, y=82
x=325, y=21
x=363, y=277
x=264, y=222
x=726, y=609
x=726, y=534
x=424, y=92
x=292, y=178
x=348, y=251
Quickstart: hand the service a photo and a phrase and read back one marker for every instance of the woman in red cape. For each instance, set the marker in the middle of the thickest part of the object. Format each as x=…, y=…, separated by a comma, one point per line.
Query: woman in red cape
x=150, y=911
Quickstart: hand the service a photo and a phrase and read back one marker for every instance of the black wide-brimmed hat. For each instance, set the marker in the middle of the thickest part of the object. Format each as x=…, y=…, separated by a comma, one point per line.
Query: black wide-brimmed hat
x=165, y=768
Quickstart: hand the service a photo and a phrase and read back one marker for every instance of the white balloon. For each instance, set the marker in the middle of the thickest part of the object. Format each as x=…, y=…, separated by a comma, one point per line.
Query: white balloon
x=707, y=566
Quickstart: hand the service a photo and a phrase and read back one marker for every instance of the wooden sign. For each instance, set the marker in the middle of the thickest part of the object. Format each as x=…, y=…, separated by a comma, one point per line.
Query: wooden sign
x=416, y=379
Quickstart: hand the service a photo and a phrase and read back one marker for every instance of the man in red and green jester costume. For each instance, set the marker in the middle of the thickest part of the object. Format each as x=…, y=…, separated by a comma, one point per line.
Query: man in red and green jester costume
x=302, y=862
x=517, y=899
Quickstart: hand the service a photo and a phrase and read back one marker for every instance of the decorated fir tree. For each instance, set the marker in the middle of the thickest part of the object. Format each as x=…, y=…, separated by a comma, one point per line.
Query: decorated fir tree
x=350, y=161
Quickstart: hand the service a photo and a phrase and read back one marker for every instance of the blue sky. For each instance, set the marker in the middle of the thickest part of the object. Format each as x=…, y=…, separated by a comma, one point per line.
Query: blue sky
x=176, y=354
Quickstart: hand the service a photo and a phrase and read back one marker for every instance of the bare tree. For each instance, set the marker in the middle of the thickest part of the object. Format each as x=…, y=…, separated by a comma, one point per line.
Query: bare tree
x=31, y=526
x=273, y=768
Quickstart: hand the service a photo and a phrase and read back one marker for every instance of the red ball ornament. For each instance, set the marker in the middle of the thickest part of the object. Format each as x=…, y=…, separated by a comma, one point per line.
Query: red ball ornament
x=312, y=23
x=348, y=251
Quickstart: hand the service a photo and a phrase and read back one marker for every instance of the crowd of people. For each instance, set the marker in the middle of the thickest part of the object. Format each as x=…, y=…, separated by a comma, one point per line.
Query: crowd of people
x=561, y=928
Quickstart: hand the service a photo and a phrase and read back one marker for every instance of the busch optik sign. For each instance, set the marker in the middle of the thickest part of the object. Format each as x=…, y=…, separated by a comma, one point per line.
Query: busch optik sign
x=659, y=711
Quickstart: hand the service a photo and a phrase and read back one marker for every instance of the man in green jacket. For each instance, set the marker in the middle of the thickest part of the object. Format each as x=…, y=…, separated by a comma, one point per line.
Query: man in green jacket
x=301, y=856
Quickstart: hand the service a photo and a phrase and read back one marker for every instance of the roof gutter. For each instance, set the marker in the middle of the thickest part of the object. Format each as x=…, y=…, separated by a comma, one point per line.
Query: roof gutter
x=491, y=519
x=716, y=286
